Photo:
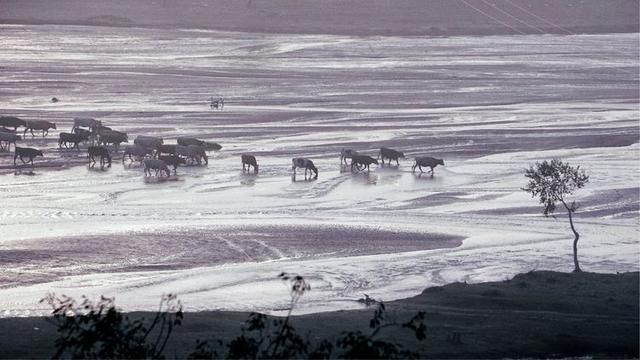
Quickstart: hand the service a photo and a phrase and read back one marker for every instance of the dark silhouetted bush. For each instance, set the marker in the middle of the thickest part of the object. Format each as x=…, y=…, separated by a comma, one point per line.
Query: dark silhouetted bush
x=99, y=330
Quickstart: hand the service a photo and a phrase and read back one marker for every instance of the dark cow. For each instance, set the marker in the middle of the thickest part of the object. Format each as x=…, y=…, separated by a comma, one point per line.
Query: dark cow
x=113, y=137
x=249, y=160
x=150, y=142
x=186, y=141
x=137, y=151
x=85, y=134
x=22, y=153
x=38, y=125
x=100, y=151
x=89, y=123
x=12, y=121
x=193, y=152
x=391, y=154
x=172, y=160
x=101, y=128
x=359, y=162
x=346, y=154
x=158, y=165
x=427, y=161
x=8, y=138
x=165, y=149
x=68, y=138
x=303, y=163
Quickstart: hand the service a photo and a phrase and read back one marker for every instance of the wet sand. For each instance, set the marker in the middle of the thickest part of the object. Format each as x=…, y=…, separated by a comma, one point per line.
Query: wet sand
x=489, y=106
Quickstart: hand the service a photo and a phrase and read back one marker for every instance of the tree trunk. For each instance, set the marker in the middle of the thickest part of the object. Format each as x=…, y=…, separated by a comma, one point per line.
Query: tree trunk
x=576, y=264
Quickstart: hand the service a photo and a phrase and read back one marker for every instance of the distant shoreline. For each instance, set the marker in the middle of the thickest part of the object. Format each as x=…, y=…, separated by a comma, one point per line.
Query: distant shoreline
x=474, y=32
x=338, y=17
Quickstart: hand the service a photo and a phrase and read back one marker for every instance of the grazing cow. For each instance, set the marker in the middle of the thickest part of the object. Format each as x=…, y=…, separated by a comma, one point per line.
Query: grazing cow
x=303, y=163
x=137, y=151
x=158, y=165
x=68, y=138
x=193, y=152
x=38, y=125
x=101, y=151
x=427, y=161
x=9, y=138
x=359, y=162
x=346, y=154
x=172, y=160
x=165, y=149
x=186, y=141
x=26, y=153
x=151, y=142
x=391, y=154
x=249, y=160
x=113, y=137
x=11, y=121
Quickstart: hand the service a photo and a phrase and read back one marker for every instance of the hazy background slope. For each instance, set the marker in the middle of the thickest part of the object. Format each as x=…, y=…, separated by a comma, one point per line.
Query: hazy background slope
x=367, y=17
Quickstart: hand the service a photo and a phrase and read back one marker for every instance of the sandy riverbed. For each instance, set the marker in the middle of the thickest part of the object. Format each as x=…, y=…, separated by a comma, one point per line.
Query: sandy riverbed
x=489, y=106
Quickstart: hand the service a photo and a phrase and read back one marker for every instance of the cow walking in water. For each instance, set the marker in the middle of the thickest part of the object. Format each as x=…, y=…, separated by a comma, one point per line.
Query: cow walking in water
x=169, y=149
x=38, y=125
x=346, y=154
x=359, y=162
x=11, y=121
x=426, y=161
x=306, y=164
x=21, y=152
x=112, y=137
x=158, y=165
x=194, y=153
x=186, y=141
x=100, y=151
x=135, y=152
x=249, y=160
x=69, y=138
x=9, y=138
x=172, y=160
x=90, y=123
x=391, y=154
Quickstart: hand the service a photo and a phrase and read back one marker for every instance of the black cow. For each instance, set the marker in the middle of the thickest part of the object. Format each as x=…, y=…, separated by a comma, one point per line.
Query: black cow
x=26, y=153
x=100, y=151
x=249, y=160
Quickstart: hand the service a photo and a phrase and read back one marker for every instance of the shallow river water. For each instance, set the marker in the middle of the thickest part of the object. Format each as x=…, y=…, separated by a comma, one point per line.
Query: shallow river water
x=489, y=106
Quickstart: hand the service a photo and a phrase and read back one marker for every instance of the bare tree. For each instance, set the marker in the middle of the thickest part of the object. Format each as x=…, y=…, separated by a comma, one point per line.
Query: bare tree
x=551, y=181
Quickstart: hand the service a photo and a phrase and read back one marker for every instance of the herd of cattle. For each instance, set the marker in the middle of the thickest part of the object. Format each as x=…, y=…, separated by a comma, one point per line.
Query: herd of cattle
x=157, y=157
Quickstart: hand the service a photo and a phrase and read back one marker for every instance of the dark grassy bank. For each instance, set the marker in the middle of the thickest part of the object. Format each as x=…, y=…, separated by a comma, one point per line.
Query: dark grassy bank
x=538, y=314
